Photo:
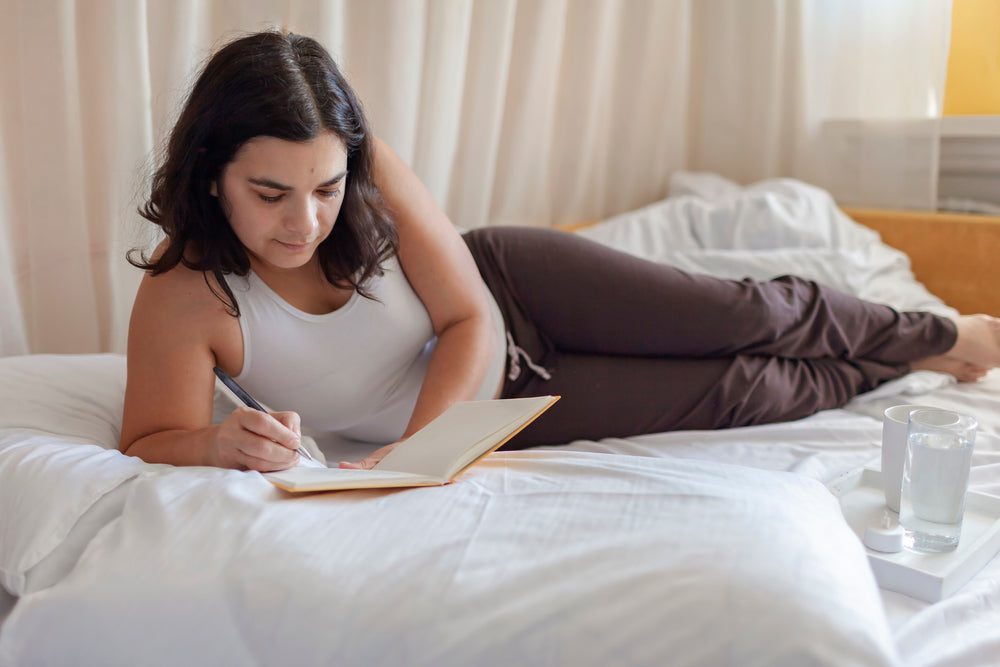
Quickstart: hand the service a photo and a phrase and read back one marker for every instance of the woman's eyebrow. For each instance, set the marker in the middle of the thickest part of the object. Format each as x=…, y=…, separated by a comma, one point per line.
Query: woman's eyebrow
x=333, y=181
x=274, y=185
x=268, y=183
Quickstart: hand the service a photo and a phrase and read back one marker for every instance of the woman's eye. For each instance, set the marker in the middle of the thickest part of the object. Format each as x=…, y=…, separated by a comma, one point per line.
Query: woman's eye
x=328, y=194
x=270, y=199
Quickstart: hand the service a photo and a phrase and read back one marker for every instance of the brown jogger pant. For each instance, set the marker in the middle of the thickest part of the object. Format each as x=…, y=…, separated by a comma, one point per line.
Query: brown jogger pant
x=636, y=347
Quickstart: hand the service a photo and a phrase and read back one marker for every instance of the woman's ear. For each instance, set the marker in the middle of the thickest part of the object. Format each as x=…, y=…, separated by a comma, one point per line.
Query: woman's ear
x=213, y=189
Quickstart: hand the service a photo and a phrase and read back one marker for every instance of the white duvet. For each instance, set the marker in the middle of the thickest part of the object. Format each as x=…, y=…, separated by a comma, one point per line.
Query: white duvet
x=719, y=547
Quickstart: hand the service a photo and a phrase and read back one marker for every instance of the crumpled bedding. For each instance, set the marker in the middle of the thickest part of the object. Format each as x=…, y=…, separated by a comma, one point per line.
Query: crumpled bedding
x=719, y=547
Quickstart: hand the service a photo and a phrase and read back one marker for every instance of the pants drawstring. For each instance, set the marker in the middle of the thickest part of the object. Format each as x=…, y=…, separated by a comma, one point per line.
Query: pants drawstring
x=515, y=354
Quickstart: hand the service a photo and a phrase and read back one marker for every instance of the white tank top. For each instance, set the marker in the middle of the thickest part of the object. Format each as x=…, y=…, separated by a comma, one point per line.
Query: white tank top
x=355, y=371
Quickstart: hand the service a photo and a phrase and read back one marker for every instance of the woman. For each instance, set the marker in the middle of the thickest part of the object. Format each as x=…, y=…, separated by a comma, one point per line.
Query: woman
x=305, y=259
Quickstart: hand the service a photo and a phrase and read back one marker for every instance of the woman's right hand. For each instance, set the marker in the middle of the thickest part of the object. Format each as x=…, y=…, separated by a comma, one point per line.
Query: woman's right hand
x=249, y=439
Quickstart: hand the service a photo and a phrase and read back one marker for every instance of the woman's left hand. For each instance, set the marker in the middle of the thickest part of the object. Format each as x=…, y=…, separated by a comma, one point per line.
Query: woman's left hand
x=372, y=459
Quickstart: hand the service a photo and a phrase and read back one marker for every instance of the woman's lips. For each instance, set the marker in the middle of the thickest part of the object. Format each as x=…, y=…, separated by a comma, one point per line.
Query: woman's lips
x=294, y=247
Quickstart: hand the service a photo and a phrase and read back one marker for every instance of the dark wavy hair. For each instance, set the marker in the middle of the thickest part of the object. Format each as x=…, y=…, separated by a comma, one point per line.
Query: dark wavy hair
x=264, y=84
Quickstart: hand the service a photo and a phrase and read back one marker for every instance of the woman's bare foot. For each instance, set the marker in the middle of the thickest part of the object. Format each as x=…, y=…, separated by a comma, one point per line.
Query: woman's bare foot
x=975, y=352
x=978, y=340
x=963, y=371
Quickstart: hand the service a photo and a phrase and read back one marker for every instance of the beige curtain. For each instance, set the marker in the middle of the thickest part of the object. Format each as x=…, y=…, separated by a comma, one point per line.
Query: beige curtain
x=522, y=112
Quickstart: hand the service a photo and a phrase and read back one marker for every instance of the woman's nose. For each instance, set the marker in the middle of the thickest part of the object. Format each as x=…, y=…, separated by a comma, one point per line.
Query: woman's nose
x=302, y=219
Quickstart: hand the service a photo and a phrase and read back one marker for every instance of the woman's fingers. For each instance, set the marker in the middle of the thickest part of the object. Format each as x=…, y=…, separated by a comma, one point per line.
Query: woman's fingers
x=270, y=427
x=289, y=420
x=259, y=441
x=269, y=462
x=372, y=459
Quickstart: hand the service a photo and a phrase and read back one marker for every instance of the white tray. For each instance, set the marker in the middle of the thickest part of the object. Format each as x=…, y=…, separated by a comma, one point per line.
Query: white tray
x=928, y=577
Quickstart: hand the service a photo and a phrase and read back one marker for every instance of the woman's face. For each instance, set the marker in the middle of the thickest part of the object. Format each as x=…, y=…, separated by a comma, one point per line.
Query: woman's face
x=282, y=197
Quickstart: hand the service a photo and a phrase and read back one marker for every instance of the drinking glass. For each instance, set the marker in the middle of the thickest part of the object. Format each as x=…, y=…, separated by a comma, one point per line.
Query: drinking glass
x=939, y=447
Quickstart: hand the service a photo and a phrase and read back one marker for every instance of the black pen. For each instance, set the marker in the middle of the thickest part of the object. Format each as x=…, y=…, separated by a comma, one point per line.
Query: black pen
x=248, y=400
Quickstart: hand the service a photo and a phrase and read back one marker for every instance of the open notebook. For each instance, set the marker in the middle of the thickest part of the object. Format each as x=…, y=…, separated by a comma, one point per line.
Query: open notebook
x=434, y=455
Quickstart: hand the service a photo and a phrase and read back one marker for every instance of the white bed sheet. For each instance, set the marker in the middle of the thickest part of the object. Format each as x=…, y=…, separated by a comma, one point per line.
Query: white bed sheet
x=543, y=557
x=531, y=558
x=963, y=629
x=144, y=544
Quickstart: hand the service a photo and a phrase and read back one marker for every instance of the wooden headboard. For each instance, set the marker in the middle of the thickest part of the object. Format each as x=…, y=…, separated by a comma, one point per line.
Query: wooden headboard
x=956, y=256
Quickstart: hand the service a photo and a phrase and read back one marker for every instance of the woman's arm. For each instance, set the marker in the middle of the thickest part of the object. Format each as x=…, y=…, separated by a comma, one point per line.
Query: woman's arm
x=445, y=277
x=176, y=330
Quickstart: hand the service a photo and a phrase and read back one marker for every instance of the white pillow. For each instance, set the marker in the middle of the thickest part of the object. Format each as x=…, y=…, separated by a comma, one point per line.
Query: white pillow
x=74, y=395
x=61, y=474
x=47, y=483
x=59, y=427
x=770, y=228
x=529, y=557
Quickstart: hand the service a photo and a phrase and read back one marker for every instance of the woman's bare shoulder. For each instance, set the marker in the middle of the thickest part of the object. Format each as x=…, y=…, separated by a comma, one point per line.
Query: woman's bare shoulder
x=180, y=287
x=180, y=290
x=185, y=305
